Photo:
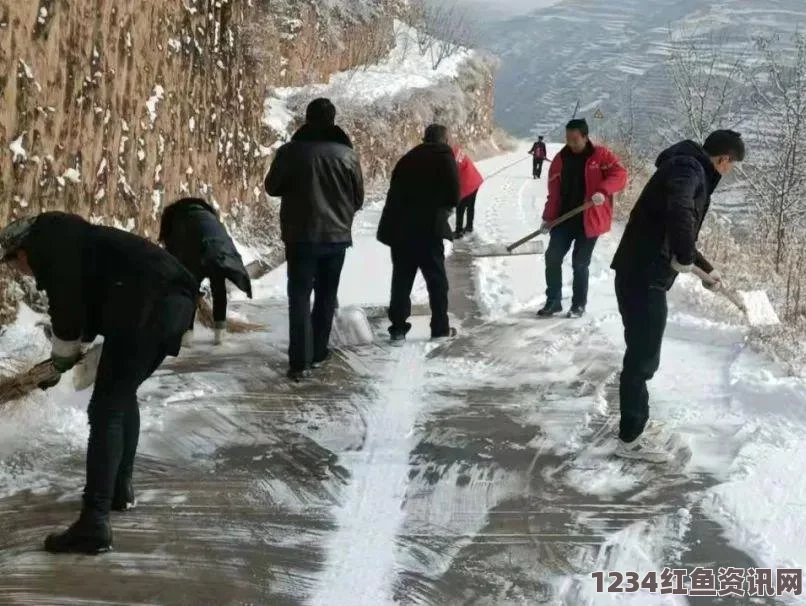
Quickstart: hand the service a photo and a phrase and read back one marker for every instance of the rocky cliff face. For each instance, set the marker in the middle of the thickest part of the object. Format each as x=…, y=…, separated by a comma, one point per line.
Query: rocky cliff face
x=113, y=109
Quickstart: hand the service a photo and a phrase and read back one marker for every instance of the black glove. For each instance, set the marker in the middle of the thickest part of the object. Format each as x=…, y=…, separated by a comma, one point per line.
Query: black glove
x=51, y=382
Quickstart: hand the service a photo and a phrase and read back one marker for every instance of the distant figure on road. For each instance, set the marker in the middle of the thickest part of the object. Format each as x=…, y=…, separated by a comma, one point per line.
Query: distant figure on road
x=659, y=241
x=104, y=281
x=423, y=191
x=470, y=181
x=582, y=172
x=539, y=154
x=318, y=176
x=191, y=232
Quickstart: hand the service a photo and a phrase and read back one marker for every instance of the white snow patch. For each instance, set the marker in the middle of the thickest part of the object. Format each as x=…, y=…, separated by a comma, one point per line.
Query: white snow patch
x=99, y=195
x=20, y=155
x=153, y=100
x=156, y=202
x=127, y=226
x=29, y=73
x=72, y=175
x=192, y=124
x=141, y=155
x=43, y=15
x=277, y=116
x=101, y=168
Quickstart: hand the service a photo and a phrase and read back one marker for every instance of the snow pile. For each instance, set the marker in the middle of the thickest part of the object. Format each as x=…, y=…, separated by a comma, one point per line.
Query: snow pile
x=20, y=155
x=404, y=71
x=155, y=98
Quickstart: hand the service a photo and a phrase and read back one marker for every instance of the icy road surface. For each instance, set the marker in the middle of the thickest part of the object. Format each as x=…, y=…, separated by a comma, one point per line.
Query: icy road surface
x=472, y=472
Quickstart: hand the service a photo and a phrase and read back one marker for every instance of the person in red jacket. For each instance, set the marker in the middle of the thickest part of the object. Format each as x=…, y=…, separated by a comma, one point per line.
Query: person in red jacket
x=538, y=153
x=470, y=181
x=581, y=172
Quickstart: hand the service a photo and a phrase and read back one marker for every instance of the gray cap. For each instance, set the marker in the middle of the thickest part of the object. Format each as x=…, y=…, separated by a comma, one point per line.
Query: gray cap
x=13, y=235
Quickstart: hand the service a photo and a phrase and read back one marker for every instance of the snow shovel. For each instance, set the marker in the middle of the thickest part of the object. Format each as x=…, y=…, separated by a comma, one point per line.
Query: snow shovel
x=754, y=304
x=535, y=248
x=350, y=327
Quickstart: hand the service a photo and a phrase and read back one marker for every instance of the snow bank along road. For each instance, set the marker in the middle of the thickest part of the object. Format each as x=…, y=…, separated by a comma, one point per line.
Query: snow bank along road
x=472, y=472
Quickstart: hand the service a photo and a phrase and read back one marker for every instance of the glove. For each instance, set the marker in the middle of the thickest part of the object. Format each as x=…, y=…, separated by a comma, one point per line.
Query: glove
x=598, y=199
x=678, y=267
x=65, y=354
x=48, y=383
x=715, y=283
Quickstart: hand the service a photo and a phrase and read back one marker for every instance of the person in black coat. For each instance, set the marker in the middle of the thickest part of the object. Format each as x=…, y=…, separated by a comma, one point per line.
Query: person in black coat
x=423, y=192
x=659, y=242
x=101, y=280
x=538, y=153
x=318, y=176
x=191, y=232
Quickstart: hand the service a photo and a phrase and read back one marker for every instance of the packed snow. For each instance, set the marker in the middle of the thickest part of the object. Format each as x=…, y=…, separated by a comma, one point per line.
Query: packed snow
x=403, y=71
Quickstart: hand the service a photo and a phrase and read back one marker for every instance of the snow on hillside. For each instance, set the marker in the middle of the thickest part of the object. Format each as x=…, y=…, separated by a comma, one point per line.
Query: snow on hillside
x=405, y=70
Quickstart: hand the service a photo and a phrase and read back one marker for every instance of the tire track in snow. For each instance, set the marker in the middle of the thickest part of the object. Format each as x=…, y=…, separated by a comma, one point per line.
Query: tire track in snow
x=361, y=564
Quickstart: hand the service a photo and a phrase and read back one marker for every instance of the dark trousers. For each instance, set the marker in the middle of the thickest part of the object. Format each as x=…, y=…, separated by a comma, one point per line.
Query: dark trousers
x=429, y=258
x=311, y=268
x=114, y=414
x=643, y=312
x=466, y=205
x=562, y=237
x=218, y=288
x=537, y=167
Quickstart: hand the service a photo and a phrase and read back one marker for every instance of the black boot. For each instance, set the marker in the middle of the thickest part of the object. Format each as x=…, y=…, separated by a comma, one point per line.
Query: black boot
x=87, y=535
x=550, y=308
x=577, y=311
x=298, y=375
x=123, y=499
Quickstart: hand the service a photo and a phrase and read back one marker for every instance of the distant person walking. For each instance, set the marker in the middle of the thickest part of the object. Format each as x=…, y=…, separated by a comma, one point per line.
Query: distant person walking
x=470, y=181
x=539, y=154
x=581, y=172
x=659, y=241
x=318, y=176
x=423, y=191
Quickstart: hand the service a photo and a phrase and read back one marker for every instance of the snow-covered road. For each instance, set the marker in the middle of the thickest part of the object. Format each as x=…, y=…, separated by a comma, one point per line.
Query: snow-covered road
x=472, y=472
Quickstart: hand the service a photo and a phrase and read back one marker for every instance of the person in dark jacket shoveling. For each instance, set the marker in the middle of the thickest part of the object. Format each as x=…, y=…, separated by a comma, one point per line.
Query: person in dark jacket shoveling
x=318, y=176
x=101, y=280
x=660, y=241
x=423, y=191
x=191, y=231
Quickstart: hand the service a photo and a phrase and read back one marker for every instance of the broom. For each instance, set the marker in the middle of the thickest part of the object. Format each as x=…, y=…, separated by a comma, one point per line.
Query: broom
x=205, y=316
x=21, y=384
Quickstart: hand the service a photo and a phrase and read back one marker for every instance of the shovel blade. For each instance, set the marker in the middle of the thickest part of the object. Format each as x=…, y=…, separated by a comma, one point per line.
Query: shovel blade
x=500, y=250
x=351, y=327
x=758, y=309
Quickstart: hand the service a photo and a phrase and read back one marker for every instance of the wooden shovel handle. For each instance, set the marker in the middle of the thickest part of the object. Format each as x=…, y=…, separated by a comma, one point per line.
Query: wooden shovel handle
x=729, y=294
x=552, y=225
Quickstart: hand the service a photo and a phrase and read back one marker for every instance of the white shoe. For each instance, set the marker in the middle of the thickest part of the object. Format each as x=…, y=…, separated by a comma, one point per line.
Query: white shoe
x=647, y=447
x=187, y=339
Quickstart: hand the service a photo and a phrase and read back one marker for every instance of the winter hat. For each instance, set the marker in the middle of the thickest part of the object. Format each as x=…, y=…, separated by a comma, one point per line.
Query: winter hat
x=13, y=235
x=579, y=124
x=435, y=133
x=321, y=112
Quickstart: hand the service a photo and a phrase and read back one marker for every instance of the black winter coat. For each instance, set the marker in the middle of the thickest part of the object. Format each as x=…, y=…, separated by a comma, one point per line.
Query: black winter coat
x=102, y=280
x=667, y=218
x=191, y=232
x=318, y=176
x=422, y=192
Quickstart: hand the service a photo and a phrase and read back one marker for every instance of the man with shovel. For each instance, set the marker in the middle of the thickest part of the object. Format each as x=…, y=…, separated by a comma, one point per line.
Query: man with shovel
x=659, y=242
x=101, y=280
x=583, y=177
x=318, y=176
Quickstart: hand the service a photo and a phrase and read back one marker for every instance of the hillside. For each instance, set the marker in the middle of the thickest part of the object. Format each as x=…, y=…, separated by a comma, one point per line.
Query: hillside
x=113, y=110
x=598, y=52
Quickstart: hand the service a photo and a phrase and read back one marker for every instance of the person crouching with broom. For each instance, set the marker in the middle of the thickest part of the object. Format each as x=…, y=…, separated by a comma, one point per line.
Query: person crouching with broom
x=101, y=280
x=191, y=231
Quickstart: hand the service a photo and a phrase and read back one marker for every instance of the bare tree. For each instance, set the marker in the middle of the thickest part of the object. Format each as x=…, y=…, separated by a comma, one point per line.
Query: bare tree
x=777, y=175
x=708, y=77
x=444, y=28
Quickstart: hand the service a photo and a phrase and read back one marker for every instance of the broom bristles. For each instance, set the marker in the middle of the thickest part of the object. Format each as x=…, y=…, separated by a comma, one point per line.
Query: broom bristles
x=205, y=315
x=17, y=386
